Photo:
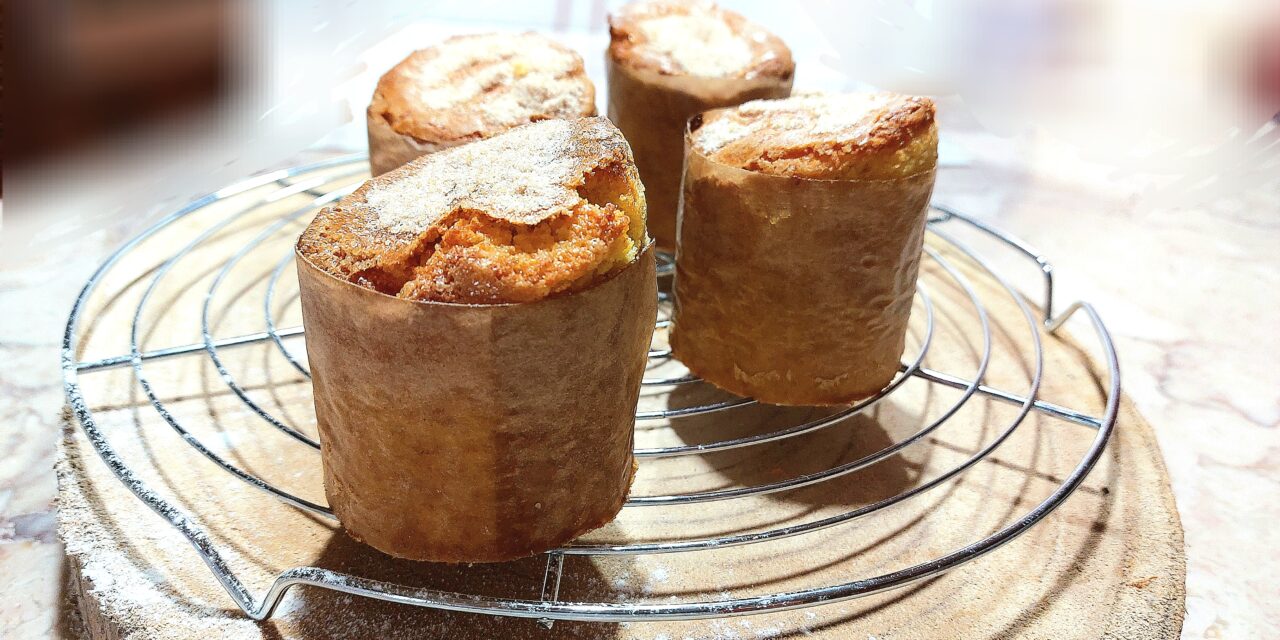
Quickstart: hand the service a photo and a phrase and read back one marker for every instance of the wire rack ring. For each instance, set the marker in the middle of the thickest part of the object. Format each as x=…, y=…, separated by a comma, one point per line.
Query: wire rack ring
x=347, y=172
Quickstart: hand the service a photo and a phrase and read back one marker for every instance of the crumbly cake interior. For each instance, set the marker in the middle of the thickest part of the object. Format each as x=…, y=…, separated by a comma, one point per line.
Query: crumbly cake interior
x=696, y=39
x=547, y=208
x=473, y=86
x=858, y=136
x=475, y=258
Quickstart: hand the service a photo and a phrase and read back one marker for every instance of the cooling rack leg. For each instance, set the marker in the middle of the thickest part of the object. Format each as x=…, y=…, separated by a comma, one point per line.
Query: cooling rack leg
x=551, y=583
x=1046, y=269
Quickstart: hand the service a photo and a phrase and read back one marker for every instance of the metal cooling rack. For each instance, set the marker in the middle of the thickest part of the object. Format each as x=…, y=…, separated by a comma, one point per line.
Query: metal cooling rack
x=304, y=180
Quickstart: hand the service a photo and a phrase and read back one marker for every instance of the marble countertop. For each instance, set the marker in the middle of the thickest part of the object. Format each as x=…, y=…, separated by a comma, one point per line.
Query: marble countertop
x=1188, y=293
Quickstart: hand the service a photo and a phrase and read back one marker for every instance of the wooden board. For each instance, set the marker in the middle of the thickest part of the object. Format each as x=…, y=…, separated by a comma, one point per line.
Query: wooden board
x=1109, y=563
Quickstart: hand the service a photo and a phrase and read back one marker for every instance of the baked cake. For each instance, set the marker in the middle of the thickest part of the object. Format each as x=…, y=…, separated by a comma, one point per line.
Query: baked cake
x=668, y=61
x=547, y=208
x=800, y=243
x=856, y=136
x=477, y=326
x=695, y=39
x=468, y=88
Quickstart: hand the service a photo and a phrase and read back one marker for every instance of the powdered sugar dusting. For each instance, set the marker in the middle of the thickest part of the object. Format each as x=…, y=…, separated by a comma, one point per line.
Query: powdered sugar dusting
x=536, y=74
x=798, y=120
x=695, y=38
x=524, y=176
x=700, y=43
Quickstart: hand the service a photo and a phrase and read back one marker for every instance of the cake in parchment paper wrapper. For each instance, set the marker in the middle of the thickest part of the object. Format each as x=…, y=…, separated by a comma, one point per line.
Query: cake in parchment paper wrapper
x=668, y=61
x=800, y=240
x=471, y=87
x=477, y=324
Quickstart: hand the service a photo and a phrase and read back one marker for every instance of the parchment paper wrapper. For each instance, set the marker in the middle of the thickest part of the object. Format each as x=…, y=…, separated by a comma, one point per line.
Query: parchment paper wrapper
x=389, y=149
x=795, y=291
x=652, y=111
x=476, y=433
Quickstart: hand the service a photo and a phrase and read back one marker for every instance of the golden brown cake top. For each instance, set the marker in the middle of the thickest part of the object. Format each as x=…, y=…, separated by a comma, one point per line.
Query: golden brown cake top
x=833, y=137
x=544, y=208
x=472, y=87
x=695, y=38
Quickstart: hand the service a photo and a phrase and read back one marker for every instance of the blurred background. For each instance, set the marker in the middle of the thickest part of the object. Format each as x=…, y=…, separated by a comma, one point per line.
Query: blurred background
x=129, y=107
